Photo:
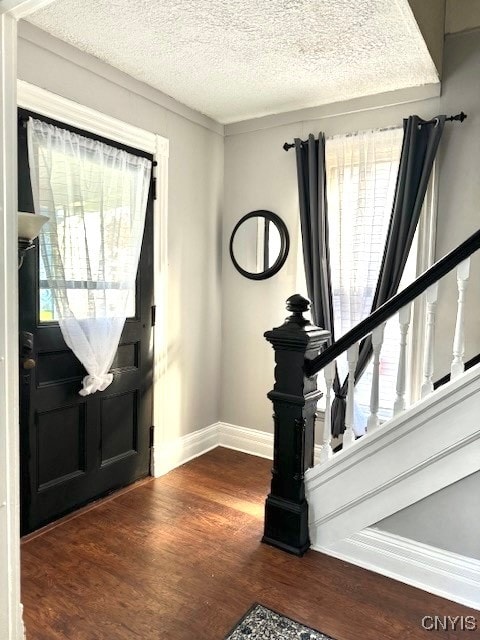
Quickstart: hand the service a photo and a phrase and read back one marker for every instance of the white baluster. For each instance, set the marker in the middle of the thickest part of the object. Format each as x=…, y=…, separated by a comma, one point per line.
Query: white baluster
x=404, y=322
x=349, y=434
x=326, y=453
x=431, y=295
x=458, y=367
x=377, y=341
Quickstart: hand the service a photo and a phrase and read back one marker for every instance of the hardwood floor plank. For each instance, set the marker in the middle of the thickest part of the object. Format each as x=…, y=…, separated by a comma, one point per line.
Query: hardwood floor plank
x=180, y=558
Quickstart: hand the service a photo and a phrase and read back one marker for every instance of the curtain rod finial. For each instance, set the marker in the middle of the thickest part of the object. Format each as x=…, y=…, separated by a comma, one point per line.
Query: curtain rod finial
x=460, y=117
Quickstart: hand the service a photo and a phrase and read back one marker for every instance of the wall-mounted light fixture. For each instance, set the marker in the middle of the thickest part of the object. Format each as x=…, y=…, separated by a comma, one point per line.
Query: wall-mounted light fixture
x=29, y=225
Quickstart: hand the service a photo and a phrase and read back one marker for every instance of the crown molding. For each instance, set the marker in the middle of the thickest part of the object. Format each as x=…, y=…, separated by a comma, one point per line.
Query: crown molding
x=332, y=110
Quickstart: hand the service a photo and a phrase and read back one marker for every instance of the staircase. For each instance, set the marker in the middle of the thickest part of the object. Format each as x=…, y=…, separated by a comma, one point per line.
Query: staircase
x=423, y=448
x=431, y=445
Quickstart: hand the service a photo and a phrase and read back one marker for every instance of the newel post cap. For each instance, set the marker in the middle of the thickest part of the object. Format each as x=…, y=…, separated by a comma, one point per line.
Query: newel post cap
x=297, y=332
x=297, y=303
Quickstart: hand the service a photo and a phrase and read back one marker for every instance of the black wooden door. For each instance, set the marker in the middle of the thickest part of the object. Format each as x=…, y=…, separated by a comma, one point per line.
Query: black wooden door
x=74, y=449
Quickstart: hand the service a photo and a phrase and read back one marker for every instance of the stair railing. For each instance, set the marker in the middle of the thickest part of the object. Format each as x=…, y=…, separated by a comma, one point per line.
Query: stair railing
x=299, y=358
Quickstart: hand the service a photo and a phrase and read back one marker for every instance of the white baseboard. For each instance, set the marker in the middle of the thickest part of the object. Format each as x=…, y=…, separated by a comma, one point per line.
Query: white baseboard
x=252, y=441
x=437, y=571
x=179, y=451
x=21, y=632
x=221, y=434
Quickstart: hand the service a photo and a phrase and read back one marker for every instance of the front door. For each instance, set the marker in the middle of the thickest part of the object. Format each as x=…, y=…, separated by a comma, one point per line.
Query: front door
x=74, y=449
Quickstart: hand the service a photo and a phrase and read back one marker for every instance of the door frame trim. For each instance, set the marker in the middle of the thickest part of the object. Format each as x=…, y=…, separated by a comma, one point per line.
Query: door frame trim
x=57, y=107
x=11, y=622
x=11, y=610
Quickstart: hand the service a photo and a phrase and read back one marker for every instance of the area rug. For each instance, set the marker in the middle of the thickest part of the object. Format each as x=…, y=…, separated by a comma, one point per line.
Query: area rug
x=261, y=623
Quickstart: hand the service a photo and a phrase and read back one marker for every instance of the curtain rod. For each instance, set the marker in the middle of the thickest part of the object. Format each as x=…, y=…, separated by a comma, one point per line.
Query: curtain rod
x=460, y=117
x=23, y=121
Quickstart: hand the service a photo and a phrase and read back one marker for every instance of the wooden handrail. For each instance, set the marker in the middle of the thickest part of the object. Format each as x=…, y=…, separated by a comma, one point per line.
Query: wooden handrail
x=389, y=308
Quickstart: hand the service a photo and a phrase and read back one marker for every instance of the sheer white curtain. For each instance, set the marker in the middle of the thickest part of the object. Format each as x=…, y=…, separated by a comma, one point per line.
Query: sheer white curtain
x=96, y=198
x=361, y=176
x=362, y=171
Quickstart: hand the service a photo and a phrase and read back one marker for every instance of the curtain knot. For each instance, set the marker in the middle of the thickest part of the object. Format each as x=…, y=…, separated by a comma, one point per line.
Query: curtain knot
x=93, y=383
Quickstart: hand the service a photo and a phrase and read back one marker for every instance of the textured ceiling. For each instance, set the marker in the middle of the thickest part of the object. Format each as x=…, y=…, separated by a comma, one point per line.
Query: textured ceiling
x=239, y=59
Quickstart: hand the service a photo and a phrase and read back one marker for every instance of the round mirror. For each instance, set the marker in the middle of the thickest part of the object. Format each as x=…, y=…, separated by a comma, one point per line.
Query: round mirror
x=259, y=245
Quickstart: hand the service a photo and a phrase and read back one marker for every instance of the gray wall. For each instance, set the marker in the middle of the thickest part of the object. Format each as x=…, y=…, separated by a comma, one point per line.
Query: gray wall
x=461, y=16
x=430, y=17
x=447, y=519
x=194, y=222
x=259, y=174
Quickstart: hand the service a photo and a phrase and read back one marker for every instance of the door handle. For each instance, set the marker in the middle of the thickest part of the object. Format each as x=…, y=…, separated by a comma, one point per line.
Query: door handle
x=26, y=350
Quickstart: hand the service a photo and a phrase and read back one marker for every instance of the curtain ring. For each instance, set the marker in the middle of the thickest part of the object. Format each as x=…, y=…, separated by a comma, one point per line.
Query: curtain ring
x=436, y=119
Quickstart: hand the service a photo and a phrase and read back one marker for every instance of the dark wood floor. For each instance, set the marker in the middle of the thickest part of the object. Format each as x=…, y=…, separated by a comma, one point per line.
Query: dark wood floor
x=179, y=558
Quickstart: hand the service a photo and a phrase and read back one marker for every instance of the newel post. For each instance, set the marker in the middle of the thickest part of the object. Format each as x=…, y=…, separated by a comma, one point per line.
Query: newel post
x=294, y=398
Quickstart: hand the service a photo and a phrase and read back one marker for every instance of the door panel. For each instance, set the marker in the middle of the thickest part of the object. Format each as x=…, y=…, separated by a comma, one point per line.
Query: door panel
x=61, y=439
x=55, y=367
x=75, y=449
x=119, y=427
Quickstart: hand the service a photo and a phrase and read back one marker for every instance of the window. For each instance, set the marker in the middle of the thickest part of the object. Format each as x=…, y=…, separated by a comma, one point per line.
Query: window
x=81, y=285
x=93, y=195
x=361, y=171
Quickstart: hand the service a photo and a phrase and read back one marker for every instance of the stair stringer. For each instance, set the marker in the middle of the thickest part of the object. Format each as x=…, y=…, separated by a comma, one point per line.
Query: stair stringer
x=433, y=444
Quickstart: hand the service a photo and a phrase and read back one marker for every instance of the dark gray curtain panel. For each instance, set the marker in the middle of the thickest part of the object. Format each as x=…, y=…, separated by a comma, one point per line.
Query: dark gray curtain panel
x=312, y=181
x=419, y=148
x=314, y=226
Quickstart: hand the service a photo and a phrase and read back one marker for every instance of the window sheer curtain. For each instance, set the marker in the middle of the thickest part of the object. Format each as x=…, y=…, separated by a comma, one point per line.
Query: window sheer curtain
x=362, y=171
x=96, y=198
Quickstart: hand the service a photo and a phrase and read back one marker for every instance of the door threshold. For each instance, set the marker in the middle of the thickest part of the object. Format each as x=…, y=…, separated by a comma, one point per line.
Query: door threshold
x=81, y=510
